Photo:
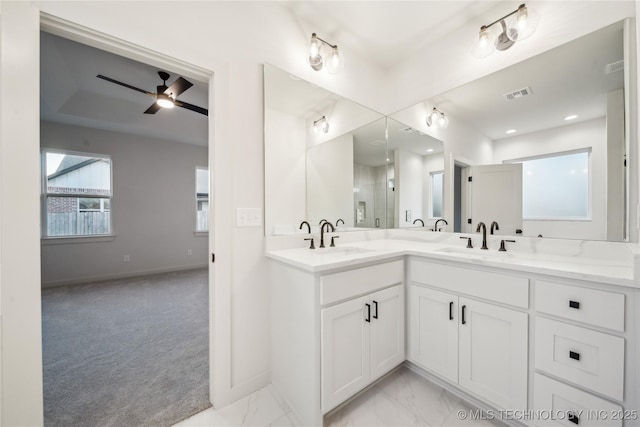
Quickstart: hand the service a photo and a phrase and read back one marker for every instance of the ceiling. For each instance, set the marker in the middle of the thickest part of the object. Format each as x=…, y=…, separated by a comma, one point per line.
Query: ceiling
x=71, y=93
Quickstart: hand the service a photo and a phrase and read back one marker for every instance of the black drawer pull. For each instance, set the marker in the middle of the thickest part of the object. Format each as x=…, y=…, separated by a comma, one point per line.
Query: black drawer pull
x=573, y=418
x=574, y=304
x=574, y=355
x=464, y=307
x=368, y=319
x=375, y=305
x=451, y=310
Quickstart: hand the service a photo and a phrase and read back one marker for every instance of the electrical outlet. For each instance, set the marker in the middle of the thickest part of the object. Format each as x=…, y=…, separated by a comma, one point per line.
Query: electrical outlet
x=189, y=252
x=127, y=258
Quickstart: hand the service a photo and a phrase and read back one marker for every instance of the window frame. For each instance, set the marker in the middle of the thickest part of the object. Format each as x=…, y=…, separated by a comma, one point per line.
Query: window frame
x=586, y=150
x=45, y=195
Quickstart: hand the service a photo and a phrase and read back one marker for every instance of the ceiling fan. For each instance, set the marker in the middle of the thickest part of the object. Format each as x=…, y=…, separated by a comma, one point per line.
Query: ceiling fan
x=165, y=96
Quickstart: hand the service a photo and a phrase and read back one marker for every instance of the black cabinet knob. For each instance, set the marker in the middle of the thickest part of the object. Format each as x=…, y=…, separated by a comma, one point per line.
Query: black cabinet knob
x=573, y=355
x=573, y=418
x=574, y=304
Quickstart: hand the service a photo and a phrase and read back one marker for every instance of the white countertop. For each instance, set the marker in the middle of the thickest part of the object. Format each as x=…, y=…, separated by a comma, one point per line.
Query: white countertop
x=561, y=260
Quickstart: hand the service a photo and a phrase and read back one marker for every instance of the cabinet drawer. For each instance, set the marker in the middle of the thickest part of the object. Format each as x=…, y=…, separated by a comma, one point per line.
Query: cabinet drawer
x=595, y=307
x=346, y=284
x=591, y=359
x=503, y=288
x=563, y=401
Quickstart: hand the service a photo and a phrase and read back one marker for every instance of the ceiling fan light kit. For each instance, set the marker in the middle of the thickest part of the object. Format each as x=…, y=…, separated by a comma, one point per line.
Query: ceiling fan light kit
x=165, y=96
x=515, y=26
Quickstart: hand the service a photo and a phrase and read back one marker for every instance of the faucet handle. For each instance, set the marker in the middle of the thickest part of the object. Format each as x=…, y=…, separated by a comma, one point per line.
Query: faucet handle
x=333, y=244
x=312, y=246
x=469, y=245
x=502, y=248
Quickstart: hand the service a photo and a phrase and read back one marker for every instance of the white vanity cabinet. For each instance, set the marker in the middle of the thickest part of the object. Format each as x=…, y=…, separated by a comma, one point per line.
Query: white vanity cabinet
x=362, y=339
x=483, y=347
x=334, y=332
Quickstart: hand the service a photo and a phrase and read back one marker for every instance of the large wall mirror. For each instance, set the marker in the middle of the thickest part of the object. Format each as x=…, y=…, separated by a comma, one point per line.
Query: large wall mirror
x=540, y=146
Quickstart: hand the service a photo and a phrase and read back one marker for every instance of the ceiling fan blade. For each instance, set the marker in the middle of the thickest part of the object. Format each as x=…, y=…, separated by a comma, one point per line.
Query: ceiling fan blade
x=153, y=109
x=192, y=107
x=177, y=87
x=100, y=76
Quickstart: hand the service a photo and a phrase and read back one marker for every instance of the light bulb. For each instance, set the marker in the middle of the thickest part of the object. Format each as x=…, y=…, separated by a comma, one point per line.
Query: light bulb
x=523, y=25
x=315, y=59
x=443, y=121
x=485, y=43
x=335, y=63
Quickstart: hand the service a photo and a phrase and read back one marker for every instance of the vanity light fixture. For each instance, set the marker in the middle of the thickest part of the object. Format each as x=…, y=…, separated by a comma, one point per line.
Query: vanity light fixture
x=437, y=118
x=514, y=26
x=321, y=125
x=323, y=53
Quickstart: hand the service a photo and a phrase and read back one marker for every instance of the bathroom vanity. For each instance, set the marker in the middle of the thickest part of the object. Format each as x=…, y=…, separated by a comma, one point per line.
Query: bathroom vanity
x=546, y=332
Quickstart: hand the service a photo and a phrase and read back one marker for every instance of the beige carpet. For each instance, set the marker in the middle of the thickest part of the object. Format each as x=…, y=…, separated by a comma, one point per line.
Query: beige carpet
x=128, y=352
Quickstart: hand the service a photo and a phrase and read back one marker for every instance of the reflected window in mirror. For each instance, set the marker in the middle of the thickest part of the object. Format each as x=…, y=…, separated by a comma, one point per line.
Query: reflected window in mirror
x=556, y=186
x=437, y=190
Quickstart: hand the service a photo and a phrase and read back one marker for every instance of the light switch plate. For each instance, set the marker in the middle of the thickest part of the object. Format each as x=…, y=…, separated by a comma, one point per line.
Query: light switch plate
x=407, y=216
x=248, y=217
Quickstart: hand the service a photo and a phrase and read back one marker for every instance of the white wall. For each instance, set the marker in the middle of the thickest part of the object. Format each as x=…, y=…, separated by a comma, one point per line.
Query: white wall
x=330, y=181
x=285, y=178
x=615, y=170
x=153, y=208
x=234, y=39
x=588, y=134
x=409, y=187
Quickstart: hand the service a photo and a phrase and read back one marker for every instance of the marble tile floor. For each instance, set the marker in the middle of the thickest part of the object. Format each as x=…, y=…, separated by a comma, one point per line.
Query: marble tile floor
x=403, y=398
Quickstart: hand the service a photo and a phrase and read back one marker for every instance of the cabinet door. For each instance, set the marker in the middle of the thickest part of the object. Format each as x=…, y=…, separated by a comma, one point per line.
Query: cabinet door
x=345, y=351
x=493, y=353
x=387, y=330
x=433, y=331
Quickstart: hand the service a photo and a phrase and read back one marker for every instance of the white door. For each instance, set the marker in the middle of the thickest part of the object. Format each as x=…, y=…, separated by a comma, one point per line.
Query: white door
x=496, y=195
x=387, y=330
x=493, y=353
x=345, y=351
x=433, y=331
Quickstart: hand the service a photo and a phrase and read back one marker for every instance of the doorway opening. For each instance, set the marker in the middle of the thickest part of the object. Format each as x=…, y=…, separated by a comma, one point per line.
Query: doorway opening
x=125, y=197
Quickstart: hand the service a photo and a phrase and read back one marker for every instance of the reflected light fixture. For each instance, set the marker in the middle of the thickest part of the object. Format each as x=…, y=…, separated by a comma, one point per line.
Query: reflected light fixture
x=321, y=125
x=165, y=101
x=514, y=26
x=437, y=118
x=571, y=117
x=323, y=53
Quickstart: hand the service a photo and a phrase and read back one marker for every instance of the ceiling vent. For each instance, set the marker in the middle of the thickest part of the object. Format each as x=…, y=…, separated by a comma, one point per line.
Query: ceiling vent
x=518, y=93
x=614, y=67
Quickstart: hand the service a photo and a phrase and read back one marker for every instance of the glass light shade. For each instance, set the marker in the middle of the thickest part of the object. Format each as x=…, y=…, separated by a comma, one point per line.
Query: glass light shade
x=164, y=101
x=433, y=117
x=523, y=24
x=485, y=44
x=315, y=59
x=335, y=63
x=320, y=126
x=443, y=121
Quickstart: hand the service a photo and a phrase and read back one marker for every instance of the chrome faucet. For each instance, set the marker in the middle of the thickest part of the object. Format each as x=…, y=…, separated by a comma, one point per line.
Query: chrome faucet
x=421, y=221
x=328, y=226
x=484, y=234
x=308, y=226
x=435, y=226
x=494, y=224
x=339, y=219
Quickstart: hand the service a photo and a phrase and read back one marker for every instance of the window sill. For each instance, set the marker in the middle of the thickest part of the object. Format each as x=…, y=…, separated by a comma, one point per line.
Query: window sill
x=77, y=239
x=201, y=233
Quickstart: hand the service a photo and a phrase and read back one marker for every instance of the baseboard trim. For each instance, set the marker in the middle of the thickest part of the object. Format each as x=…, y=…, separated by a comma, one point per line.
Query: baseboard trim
x=102, y=278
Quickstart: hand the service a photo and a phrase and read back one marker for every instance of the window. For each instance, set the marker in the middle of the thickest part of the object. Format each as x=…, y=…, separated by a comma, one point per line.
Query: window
x=202, y=199
x=437, y=183
x=556, y=186
x=77, y=194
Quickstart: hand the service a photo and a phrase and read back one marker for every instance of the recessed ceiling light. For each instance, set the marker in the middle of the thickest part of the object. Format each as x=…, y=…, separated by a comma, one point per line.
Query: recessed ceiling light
x=429, y=150
x=571, y=117
x=511, y=131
